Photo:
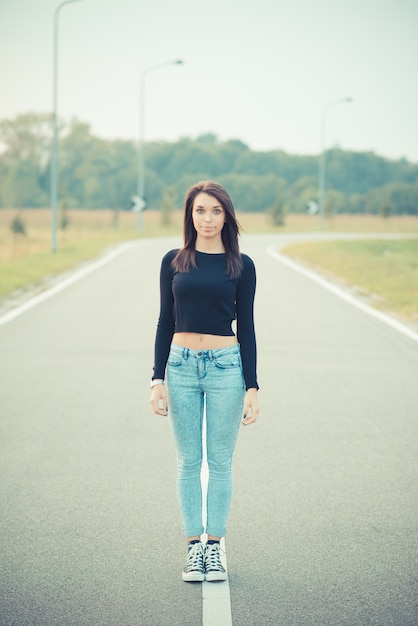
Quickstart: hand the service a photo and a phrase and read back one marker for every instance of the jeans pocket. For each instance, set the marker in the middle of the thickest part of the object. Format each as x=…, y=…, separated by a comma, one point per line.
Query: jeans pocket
x=174, y=361
x=228, y=362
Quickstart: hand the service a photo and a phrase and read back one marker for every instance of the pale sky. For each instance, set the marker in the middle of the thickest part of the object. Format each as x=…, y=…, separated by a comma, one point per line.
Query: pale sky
x=255, y=70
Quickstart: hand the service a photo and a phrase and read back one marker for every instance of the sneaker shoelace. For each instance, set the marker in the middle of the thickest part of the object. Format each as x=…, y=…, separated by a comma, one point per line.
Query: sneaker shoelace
x=213, y=561
x=195, y=558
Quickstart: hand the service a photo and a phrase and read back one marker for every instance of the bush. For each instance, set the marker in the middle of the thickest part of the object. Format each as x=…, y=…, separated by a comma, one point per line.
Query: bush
x=18, y=226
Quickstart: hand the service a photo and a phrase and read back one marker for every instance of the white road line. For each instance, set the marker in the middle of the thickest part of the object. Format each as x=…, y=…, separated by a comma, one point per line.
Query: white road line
x=217, y=601
x=216, y=598
x=66, y=282
x=386, y=319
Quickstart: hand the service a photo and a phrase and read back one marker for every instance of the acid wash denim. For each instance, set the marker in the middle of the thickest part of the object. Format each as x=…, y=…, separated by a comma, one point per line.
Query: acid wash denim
x=211, y=380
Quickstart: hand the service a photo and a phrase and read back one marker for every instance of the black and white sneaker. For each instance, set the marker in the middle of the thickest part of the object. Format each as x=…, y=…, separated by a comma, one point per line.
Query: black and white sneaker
x=214, y=570
x=194, y=571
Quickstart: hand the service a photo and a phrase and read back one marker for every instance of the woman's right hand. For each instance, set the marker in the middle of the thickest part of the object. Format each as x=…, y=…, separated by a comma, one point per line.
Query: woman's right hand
x=159, y=400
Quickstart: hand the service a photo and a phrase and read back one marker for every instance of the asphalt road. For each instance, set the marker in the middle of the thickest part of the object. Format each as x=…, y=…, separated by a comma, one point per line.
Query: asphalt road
x=323, y=527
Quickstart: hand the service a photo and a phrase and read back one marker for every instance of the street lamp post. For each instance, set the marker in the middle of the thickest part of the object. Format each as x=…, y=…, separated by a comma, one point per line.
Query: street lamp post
x=141, y=143
x=322, y=162
x=54, y=153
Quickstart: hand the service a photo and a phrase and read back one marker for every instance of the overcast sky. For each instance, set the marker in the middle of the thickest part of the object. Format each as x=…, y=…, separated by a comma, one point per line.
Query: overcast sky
x=255, y=70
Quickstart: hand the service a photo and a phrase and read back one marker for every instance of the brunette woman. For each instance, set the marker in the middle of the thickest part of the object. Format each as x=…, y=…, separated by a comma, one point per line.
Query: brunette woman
x=206, y=286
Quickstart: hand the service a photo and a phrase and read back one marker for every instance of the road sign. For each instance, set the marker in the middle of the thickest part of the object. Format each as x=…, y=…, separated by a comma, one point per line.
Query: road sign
x=312, y=207
x=138, y=204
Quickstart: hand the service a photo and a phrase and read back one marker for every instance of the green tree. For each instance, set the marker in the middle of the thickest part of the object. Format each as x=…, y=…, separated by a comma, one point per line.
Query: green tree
x=18, y=228
x=167, y=207
x=385, y=211
x=301, y=193
x=98, y=173
x=83, y=167
x=278, y=210
x=26, y=141
x=334, y=203
x=401, y=197
x=251, y=193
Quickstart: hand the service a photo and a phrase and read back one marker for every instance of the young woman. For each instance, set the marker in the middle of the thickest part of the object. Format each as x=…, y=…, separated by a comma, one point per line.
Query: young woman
x=204, y=287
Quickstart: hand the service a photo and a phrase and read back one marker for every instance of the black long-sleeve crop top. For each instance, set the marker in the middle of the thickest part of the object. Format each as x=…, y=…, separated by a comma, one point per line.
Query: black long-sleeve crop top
x=205, y=300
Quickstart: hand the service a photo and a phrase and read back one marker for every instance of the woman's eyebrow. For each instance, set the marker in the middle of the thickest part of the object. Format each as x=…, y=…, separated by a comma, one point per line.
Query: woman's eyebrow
x=216, y=206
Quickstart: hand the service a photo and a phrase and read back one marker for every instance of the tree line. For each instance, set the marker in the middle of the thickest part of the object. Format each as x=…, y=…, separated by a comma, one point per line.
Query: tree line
x=101, y=173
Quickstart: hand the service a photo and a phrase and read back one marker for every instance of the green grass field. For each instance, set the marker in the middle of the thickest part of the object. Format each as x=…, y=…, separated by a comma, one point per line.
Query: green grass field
x=387, y=270
x=384, y=271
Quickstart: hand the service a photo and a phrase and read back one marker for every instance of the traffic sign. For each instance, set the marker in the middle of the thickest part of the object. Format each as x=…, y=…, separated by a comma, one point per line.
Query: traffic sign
x=312, y=207
x=138, y=204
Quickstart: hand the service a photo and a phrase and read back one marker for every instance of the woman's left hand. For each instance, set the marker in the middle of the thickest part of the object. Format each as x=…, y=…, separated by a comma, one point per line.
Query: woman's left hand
x=251, y=408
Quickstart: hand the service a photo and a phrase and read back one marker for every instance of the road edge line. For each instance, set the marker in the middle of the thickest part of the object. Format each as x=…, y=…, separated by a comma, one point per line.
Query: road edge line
x=66, y=282
x=382, y=317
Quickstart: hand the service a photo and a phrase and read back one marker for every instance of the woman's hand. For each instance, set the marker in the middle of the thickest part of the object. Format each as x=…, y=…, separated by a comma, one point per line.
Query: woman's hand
x=251, y=408
x=158, y=400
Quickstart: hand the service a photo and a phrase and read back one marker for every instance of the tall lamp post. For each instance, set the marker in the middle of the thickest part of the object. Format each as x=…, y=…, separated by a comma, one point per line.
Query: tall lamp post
x=141, y=202
x=322, y=156
x=54, y=154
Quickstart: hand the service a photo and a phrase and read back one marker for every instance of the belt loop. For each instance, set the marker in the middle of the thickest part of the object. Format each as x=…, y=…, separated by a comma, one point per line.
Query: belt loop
x=185, y=353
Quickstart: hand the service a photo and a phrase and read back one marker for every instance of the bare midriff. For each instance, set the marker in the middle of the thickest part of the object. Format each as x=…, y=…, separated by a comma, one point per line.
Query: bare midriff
x=197, y=341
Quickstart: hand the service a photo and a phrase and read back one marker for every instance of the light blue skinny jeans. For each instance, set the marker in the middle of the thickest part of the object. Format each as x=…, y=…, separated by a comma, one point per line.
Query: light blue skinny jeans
x=199, y=379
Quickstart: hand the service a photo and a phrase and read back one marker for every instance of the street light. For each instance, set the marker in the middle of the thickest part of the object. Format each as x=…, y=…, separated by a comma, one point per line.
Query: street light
x=322, y=156
x=54, y=154
x=140, y=200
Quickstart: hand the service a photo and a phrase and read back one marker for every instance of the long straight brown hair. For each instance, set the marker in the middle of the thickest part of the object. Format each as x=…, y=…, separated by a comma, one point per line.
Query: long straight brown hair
x=186, y=257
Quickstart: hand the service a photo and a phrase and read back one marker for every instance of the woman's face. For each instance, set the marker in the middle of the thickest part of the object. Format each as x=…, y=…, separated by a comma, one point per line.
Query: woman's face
x=208, y=216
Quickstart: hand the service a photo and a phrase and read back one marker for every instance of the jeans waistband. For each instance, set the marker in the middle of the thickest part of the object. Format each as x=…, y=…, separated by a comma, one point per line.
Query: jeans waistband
x=199, y=354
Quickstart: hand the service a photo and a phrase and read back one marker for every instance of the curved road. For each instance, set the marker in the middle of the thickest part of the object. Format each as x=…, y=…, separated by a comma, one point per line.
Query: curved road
x=323, y=527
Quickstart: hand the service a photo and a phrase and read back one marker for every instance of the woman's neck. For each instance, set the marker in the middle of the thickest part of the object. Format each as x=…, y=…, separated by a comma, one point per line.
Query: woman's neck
x=210, y=247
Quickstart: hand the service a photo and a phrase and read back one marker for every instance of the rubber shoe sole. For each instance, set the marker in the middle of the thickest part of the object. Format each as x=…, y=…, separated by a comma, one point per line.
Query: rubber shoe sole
x=193, y=577
x=212, y=577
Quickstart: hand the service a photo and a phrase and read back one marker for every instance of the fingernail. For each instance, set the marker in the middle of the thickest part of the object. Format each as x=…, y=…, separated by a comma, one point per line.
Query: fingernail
x=245, y=415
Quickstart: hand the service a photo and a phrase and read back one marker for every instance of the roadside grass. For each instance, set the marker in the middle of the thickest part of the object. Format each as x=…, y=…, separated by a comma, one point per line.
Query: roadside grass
x=383, y=271
x=27, y=261
x=300, y=222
